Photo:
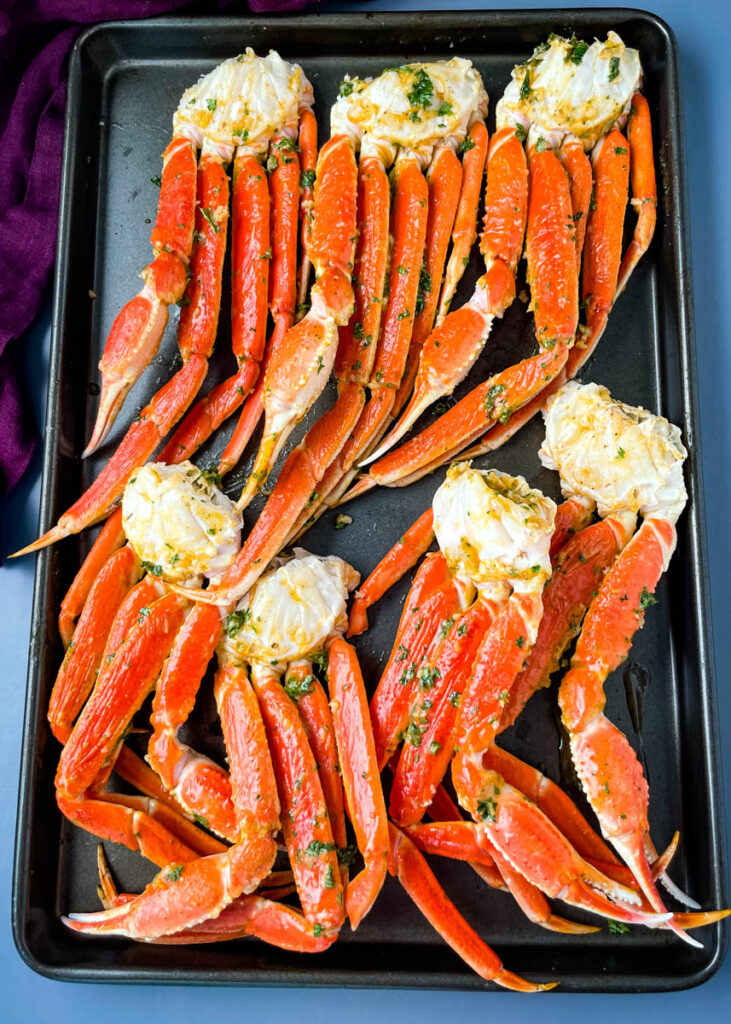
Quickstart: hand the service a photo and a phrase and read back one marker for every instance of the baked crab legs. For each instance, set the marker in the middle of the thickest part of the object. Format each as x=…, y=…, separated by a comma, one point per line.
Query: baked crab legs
x=567, y=100
x=411, y=119
x=247, y=111
x=290, y=753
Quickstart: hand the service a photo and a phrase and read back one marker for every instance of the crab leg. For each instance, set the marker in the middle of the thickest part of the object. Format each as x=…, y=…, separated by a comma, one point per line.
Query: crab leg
x=184, y=895
x=578, y=168
x=492, y=401
x=417, y=878
x=274, y=923
x=451, y=350
x=196, y=335
x=357, y=348
x=308, y=159
x=121, y=687
x=644, y=188
x=314, y=710
x=199, y=785
x=84, y=655
x=465, y=224
x=136, y=332
x=444, y=177
x=284, y=188
x=300, y=367
x=361, y=778
x=603, y=252
x=459, y=840
x=533, y=845
x=305, y=820
x=110, y=539
x=405, y=553
x=605, y=762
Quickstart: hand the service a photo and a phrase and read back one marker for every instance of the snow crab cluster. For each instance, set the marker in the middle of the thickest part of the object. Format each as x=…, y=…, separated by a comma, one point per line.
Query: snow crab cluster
x=386, y=216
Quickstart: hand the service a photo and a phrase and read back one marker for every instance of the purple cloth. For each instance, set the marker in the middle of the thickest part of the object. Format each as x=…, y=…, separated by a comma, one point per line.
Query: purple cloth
x=36, y=37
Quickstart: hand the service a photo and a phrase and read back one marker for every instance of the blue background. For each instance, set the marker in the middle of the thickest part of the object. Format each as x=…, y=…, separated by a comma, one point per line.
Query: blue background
x=703, y=30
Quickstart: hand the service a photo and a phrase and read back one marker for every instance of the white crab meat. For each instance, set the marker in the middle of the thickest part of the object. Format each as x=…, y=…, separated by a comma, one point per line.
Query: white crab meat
x=180, y=524
x=494, y=528
x=243, y=101
x=622, y=456
x=292, y=610
x=411, y=107
x=568, y=86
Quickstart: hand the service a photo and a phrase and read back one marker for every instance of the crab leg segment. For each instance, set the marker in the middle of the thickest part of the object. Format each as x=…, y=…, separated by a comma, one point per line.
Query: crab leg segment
x=578, y=168
x=412, y=870
x=403, y=556
x=184, y=895
x=444, y=177
x=465, y=224
x=135, y=335
x=603, y=250
x=299, y=369
x=199, y=785
x=251, y=252
x=607, y=766
x=308, y=160
x=314, y=710
x=111, y=538
x=84, y=655
x=361, y=777
x=490, y=402
x=305, y=820
x=644, y=188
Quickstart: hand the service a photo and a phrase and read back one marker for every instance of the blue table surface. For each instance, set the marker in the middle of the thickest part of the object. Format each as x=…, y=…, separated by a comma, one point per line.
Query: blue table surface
x=703, y=32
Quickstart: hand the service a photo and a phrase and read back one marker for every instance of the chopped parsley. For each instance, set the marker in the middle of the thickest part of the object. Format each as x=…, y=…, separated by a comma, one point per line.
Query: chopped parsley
x=298, y=688
x=235, y=620
x=421, y=93
x=206, y=213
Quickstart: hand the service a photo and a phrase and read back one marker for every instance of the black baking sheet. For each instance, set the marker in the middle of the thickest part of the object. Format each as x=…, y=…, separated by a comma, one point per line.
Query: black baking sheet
x=125, y=83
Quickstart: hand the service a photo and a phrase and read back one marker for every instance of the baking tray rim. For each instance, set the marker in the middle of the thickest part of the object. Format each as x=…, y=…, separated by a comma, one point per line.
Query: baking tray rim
x=687, y=374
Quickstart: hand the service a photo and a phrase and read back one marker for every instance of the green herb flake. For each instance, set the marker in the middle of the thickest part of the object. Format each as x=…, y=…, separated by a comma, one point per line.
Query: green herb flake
x=235, y=620
x=487, y=809
x=298, y=688
x=152, y=568
x=206, y=213
x=421, y=93
x=646, y=599
x=618, y=927
x=613, y=68
x=342, y=520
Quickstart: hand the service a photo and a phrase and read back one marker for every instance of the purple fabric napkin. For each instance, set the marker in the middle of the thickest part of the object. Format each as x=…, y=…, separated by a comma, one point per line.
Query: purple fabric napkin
x=36, y=37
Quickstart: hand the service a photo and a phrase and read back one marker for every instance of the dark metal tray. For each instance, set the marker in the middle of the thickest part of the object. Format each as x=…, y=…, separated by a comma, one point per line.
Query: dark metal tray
x=124, y=84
